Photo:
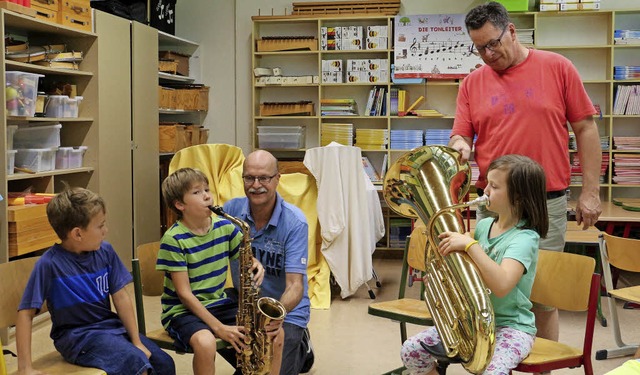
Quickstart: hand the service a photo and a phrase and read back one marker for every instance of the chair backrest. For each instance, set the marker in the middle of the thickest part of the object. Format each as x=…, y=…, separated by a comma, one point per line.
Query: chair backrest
x=623, y=253
x=567, y=281
x=152, y=280
x=563, y=280
x=15, y=275
x=221, y=163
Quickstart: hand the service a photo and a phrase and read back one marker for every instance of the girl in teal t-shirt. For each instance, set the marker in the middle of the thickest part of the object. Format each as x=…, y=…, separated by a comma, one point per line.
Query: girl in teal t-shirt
x=505, y=251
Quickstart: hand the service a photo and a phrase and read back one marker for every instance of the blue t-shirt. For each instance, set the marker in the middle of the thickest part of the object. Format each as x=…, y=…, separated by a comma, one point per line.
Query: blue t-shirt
x=282, y=247
x=514, y=309
x=77, y=288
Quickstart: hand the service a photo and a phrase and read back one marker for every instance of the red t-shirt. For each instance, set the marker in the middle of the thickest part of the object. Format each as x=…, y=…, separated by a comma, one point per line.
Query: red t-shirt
x=523, y=110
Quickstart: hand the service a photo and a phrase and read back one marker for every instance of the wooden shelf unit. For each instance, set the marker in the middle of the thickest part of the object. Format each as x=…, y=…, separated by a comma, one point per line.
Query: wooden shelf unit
x=82, y=131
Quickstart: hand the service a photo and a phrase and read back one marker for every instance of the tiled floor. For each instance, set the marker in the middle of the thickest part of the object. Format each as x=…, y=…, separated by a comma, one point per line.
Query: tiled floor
x=349, y=341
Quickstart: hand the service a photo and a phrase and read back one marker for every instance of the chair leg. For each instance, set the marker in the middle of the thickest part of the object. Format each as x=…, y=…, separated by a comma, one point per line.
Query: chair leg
x=622, y=349
x=376, y=278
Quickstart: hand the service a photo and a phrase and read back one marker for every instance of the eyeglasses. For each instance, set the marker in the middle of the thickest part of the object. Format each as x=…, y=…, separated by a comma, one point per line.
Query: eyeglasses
x=263, y=180
x=492, y=45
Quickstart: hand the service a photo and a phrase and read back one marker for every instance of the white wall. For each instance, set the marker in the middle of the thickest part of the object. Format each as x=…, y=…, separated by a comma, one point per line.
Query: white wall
x=223, y=29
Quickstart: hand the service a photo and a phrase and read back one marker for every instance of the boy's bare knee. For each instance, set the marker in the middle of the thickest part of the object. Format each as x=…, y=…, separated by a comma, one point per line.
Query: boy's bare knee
x=204, y=343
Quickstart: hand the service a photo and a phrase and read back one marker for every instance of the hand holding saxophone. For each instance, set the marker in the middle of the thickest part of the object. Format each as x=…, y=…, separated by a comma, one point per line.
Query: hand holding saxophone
x=454, y=241
x=258, y=272
x=234, y=335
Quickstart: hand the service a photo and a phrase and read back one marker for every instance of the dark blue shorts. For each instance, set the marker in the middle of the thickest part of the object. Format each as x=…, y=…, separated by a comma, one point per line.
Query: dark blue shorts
x=116, y=355
x=182, y=327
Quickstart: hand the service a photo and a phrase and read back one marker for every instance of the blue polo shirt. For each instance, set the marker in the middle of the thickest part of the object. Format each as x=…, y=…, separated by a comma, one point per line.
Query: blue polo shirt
x=282, y=247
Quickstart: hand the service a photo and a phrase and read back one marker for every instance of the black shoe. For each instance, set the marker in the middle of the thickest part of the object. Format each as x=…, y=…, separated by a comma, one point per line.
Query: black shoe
x=308, y=361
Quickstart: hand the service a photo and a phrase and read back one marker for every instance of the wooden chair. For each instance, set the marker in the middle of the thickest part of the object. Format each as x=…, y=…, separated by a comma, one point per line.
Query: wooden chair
x=149, y=282
x=404, y=310
x=568, y=282
x=15, y=275
x=622, y=253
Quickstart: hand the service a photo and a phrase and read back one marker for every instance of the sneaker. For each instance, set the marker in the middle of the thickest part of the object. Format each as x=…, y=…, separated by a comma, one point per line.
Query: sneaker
x=308, y=361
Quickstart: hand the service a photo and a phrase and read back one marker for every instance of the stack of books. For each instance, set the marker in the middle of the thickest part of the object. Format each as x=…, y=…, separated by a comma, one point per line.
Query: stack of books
x=406, y=139
x=372, y=139
x=376, y=104
x=627, y=143
x=340, y=133
x=338, y=107
x=626, y=37
x=576, y=169
x=626, y=169
x=627, y=101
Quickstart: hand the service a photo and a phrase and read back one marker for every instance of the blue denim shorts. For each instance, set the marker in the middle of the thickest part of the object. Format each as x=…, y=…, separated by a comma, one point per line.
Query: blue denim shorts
x=182, y=327
x=116, y=355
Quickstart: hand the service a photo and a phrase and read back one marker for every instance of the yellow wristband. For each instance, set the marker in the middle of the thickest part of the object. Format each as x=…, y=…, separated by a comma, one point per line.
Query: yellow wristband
x=466, y=248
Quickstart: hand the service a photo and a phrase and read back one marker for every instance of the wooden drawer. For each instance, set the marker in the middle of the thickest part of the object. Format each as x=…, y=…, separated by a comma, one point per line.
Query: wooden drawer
x=47, y=4
x=45, y=14
x=29, y=229
x=76, y=14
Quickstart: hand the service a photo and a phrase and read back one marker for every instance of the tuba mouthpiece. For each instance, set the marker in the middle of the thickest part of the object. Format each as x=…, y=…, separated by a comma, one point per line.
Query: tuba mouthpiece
x=480, y=201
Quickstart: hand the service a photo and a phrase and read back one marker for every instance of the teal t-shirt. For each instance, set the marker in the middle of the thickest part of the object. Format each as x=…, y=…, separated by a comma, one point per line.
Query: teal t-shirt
x=514, y=309
x=205, y=258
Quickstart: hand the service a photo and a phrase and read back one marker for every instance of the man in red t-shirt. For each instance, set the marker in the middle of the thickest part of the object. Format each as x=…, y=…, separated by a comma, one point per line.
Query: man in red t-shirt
x=520, y=103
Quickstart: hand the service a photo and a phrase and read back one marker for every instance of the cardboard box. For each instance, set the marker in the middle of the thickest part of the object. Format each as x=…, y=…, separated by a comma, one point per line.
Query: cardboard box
x=29, y=229
x=181, y=59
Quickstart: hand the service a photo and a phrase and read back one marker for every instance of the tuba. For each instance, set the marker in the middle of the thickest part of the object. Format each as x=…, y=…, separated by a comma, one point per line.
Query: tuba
x=429, y=183
x=253, y=313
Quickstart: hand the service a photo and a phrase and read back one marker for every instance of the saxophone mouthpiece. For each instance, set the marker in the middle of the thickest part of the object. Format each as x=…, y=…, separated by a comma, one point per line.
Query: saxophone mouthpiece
x=217, y=210
x=480, y=201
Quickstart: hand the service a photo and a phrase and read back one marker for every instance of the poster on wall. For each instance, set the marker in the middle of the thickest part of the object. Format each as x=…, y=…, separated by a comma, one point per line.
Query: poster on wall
x=433, y=46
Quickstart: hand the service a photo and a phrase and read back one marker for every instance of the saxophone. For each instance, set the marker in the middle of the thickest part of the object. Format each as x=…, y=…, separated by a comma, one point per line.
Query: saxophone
x=429, y=183
x=253, y=313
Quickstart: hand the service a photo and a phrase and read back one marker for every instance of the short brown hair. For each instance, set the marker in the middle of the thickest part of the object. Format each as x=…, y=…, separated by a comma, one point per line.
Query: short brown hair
x=73, y=207
x=178, y=183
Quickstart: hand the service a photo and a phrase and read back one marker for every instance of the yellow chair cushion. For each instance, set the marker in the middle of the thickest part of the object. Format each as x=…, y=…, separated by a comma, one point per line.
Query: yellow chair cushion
x=631, y=293
x=545, y=351
x=54, y=364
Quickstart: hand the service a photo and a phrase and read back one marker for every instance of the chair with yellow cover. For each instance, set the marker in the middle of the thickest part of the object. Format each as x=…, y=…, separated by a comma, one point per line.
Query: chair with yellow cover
x=622, y=253
x=568, y=282
x=300, y=189
x=221, y=163
x=149, y=282
x=15, y=275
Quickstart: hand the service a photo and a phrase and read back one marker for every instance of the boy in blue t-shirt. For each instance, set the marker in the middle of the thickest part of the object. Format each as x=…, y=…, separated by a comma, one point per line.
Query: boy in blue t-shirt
x=76, y=278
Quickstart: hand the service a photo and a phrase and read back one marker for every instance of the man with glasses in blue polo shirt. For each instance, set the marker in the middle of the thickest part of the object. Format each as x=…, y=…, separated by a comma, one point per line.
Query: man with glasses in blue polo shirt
x=520, y=103
x=279, y=232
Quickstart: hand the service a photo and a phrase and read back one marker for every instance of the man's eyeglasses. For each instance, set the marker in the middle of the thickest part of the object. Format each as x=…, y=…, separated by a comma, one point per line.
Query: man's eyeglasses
x=491, y=46
x=263, y=180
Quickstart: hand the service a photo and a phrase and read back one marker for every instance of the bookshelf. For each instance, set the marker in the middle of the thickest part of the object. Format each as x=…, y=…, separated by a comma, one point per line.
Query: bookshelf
x=585, y=37
x=81, y=131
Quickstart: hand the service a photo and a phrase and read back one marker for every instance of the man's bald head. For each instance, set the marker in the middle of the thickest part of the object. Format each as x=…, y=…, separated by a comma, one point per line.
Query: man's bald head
x=261, y=159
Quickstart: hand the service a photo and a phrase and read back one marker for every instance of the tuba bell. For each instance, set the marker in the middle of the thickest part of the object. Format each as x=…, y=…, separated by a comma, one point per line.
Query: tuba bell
x=429, y=183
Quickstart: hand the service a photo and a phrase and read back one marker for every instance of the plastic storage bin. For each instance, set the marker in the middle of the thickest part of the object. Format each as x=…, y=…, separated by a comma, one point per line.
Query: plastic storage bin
x=70, y=157
x=11, y=129
x=11, y=159
x=281, y=140
x=71, y=106
x=21, y=93
x=281, y=129
x=36, y=159
x=55, y=106
x=47, y=136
